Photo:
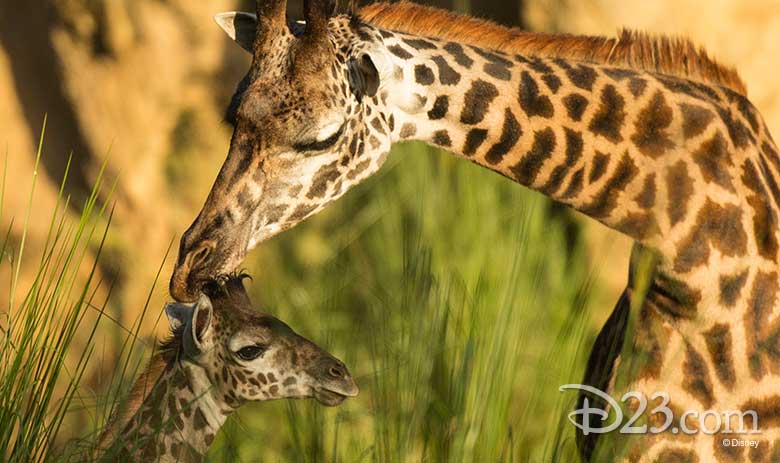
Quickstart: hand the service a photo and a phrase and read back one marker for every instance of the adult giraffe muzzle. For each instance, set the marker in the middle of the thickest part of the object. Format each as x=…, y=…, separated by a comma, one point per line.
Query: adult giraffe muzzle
x=290, y=154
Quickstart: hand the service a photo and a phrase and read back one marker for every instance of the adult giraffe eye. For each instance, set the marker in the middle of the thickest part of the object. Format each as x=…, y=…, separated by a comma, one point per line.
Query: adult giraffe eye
x=321, y=145
x=251, y=352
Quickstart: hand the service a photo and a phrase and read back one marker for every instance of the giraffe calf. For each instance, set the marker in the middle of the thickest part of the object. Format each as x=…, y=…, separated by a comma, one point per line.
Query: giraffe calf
x=222, y=354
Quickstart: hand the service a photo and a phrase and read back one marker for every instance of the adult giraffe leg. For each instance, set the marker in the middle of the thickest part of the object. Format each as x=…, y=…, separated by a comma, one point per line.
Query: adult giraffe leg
x=600, y=371
x=605, y=355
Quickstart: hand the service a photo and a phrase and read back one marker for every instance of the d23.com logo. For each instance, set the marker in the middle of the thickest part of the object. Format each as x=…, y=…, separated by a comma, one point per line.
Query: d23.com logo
x=709, y=422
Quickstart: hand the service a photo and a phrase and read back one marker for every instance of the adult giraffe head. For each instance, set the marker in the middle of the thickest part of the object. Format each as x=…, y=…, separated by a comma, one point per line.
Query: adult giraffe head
x=302, y=134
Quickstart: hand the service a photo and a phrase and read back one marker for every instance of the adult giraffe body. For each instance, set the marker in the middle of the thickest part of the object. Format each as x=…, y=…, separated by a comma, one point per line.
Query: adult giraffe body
x=647, y=135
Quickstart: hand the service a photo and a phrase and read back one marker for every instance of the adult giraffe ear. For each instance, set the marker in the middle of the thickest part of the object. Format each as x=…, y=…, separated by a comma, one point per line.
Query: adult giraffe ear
x=363, y=76
x=239, y=26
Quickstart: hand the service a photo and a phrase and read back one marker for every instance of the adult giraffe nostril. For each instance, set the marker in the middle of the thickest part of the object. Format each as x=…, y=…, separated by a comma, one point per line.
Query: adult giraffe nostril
x=199, y=256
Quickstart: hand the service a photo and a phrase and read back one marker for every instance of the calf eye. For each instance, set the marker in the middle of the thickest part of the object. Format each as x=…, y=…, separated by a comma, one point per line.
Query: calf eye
x=251, y=352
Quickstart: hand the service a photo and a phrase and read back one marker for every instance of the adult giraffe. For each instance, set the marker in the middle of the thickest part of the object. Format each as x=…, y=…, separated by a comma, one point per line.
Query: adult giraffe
x=647, y=135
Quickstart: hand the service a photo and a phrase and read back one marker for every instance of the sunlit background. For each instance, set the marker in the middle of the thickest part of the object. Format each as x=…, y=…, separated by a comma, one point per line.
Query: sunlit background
x=458, y=299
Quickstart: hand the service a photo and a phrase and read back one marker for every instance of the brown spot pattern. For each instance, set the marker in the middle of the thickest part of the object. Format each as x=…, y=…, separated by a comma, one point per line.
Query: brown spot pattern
x=598, y=166
x=399, y=51
x=510, y=134
x=474, y=140
x=719, y=345
x=717, y=225
x=638, y=225
x=408, y=131
x=762, y=336
x=199, y=420
x=739, y=134
x=423, y=75
x=651, y=137
x=731, y=288
x=574, y=146
x=696, y=377
x=609, y=118
x=764, y=218
x=576, y=105
x=324, y=176
x=695, y=119
x=440, y=107
x=552, y=81
x=606, y=200
x=477, y=101
x=580, y=75
x=447, y=75
x=575, y=184
x=442, y=138
x=646, y=198
x=531, y=100
x=637, y=86
x=679, y=187
x=457, y=52
x=713, y=159
x=528, y=168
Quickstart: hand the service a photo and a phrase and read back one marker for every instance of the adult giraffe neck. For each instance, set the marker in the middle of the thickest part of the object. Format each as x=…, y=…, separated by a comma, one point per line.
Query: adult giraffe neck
x=640, y=152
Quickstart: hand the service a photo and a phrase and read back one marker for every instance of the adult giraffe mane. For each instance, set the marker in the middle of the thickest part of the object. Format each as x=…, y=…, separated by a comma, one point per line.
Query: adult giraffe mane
x=674, y=56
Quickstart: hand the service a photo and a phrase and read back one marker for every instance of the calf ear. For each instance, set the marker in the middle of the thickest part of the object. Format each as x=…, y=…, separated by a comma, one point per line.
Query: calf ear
x=239, y=26
x=179, y=315
x=363, y=76
x=193, y=323
x=201, y=323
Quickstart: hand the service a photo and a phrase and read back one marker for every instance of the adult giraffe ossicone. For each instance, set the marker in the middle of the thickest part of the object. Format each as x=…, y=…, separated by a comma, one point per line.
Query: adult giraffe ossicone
x=222, y=354
x=647, y=135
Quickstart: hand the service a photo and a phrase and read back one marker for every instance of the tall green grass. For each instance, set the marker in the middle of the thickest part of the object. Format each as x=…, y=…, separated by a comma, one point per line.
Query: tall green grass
x=49, y=328
x=39, y=328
